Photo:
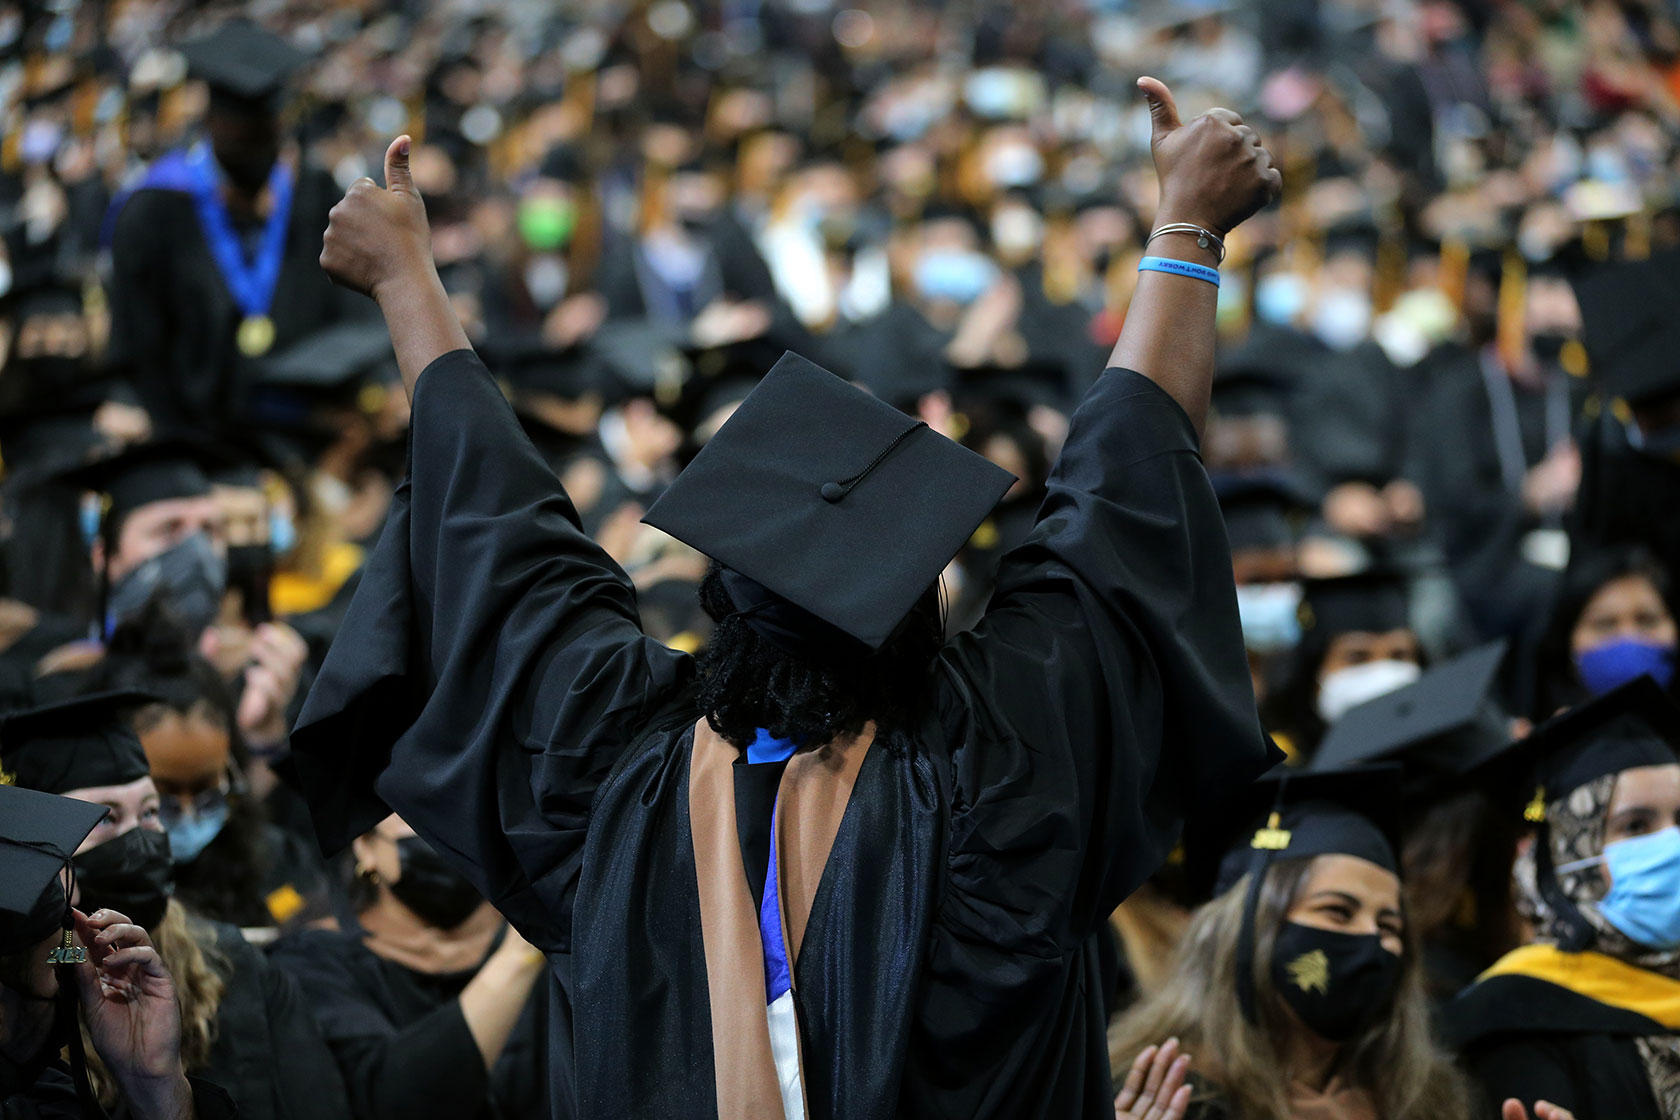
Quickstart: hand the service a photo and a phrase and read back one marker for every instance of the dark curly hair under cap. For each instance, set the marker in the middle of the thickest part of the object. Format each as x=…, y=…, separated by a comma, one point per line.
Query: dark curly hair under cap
x=775, y=666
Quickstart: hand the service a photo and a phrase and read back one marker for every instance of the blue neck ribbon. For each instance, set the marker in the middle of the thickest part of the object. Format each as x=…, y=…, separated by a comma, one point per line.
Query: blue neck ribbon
x=251, y=283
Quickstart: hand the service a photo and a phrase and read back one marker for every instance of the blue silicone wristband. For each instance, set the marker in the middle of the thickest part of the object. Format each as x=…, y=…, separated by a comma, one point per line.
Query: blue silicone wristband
x=1180, y=268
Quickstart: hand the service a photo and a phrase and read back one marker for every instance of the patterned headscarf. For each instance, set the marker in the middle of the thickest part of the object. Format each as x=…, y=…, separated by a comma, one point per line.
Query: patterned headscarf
x=1575, y=827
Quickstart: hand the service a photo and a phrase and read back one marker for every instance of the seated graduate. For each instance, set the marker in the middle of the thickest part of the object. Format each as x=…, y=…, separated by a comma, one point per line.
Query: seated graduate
x=1456, y=842
x=839, y=868
x=1587, y=1016
x=1357, y=643
x=244, y=1025
x=1297, y=990
x=1613, y=620
x=54, y=959
x=428, y=1006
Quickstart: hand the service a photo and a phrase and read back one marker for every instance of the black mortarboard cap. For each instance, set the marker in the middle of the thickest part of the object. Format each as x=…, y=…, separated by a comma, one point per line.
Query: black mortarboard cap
x=39, y=832
x=1253, y=379
x=142, y=473
x=1444, y=723
x=1631, y=726
x=1372, y=601
x=330, y=359
x=1291, y=814
x=1262, y=509
x=74, y=744
x=811, y=473
x=1034, y=383
x=243, y=60
x=1631, y=332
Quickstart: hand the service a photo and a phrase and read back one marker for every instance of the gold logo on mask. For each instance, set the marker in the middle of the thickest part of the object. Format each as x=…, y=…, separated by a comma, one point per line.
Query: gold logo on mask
x=1310, y=972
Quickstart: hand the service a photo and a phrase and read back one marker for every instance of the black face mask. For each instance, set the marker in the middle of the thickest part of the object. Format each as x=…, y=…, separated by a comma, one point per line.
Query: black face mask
x=132, y=875
x=1338, y=983
x=1548, y=348
x=438, y=894
x=190, y=577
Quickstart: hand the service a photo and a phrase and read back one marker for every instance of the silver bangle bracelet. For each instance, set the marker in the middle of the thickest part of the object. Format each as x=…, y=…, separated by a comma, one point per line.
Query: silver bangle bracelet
x=1205, y=238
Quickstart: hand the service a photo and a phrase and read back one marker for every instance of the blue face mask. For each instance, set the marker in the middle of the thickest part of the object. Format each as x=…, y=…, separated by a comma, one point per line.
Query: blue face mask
x=1644, y=898
x=1270, y=615
x=1614, y=663
x=189, y=836
x=958, y=275
x=282, y=532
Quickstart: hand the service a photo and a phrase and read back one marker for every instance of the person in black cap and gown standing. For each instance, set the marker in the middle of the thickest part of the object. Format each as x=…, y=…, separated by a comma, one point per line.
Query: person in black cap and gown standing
x=840, y=867
x=212, y=253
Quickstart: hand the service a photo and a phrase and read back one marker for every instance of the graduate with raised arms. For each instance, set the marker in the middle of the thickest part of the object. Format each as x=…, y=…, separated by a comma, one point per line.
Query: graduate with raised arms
x=838, y=867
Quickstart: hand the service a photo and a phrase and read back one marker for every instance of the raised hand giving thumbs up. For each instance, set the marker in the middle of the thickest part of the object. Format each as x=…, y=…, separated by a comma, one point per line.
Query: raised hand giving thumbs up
x=1214, y=172
x=377, y=234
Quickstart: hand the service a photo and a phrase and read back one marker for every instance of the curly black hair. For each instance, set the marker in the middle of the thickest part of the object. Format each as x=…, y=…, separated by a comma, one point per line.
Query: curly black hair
x=748, y=683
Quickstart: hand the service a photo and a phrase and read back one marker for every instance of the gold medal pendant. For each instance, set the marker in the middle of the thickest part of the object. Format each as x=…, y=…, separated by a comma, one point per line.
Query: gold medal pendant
x=256, y=335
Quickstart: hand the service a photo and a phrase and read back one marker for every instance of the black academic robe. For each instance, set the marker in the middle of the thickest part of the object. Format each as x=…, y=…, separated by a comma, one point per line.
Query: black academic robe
x=268, y=1054
x=52, y=1096
x=1627, y=496
x=492, y=685
x=401, y=1041
x=1523, y=1037
x=173, y=320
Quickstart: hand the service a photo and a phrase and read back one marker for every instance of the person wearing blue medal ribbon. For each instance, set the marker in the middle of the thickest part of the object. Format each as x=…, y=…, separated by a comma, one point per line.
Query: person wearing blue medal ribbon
x=213, y=249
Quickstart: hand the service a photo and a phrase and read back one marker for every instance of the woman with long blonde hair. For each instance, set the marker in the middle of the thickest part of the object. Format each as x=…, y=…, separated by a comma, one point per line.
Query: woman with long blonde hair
x=1296, y=993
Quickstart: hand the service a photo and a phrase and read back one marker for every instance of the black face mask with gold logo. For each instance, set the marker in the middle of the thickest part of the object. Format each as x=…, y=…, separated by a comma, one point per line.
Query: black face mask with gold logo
x=1337, y=983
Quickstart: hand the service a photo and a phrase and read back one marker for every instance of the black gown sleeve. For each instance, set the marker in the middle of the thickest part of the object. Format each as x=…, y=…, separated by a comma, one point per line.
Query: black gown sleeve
x=491, y=666
x=1104, y=691
x=307, y=1081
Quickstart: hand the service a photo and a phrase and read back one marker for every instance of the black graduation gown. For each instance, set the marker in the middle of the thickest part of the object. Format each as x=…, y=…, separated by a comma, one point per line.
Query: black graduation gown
x=173, y=320
x=1626, y=495
x=1523, y=1037
x=401, y=1041
x=52, y=1096
x=268, y=1054
x=493, y=686
x=1477, y=519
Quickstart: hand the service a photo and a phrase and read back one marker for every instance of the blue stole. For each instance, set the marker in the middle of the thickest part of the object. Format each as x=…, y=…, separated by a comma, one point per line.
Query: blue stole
x=193, y=172
x=777, y=977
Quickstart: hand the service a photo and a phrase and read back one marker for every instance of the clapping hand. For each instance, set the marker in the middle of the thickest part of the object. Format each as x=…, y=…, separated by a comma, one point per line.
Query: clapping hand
x=1155, y=1088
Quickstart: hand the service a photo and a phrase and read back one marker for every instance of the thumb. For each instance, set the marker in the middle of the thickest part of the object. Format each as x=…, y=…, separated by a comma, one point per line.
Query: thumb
x=1163, y=111
x=397, y=178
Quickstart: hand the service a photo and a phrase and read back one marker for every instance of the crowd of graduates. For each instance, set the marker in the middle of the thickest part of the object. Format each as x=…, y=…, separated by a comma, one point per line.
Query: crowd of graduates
x=1444, y=435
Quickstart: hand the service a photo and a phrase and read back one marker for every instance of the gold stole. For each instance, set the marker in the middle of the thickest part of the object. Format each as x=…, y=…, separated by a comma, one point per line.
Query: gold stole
x=810, y=803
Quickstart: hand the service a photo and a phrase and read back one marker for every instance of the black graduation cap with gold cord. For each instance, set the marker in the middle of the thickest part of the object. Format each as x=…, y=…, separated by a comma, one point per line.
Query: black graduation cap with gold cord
x=74, y=744
x=1632, y=726
x=1373, y=601
x=1290, y=814
x=832, y=511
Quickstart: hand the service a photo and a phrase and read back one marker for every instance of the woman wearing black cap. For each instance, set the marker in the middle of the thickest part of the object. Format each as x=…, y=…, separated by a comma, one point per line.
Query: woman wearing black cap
x=1297, y=992
x=127, y=996
x=837, y=869
x=243, y=1023
x=1589, y=1015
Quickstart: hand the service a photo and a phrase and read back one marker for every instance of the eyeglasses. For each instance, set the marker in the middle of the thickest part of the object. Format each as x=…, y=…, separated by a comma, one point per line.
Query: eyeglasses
x=173, y=807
